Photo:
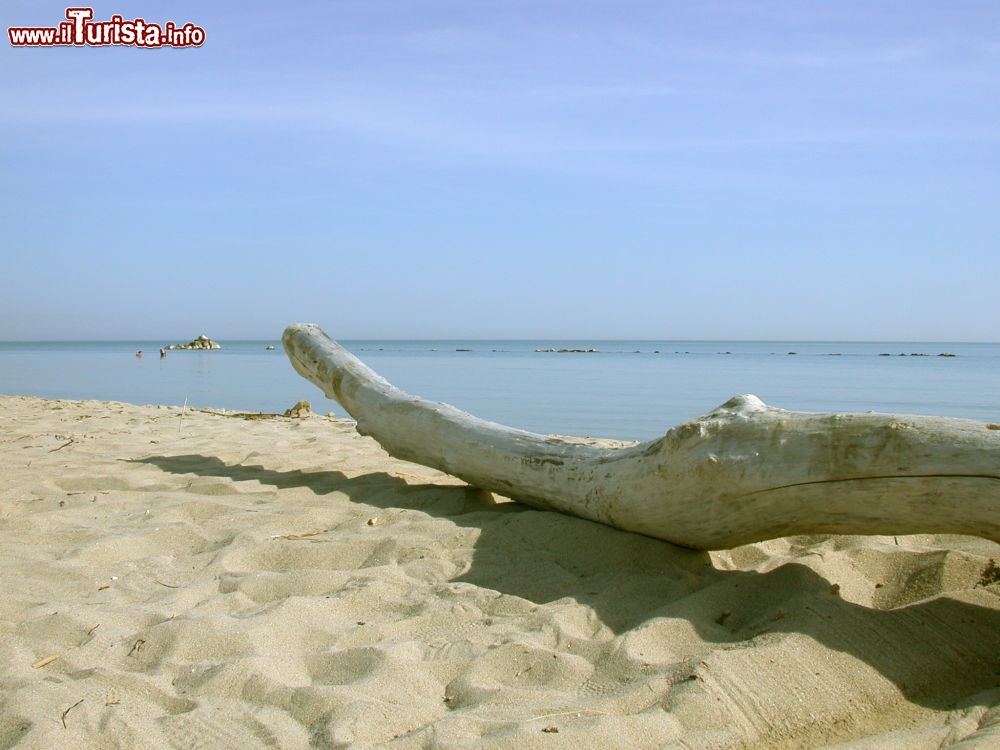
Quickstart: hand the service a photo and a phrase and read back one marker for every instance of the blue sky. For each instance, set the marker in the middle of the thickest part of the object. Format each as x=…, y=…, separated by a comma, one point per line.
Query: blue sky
x=419, y=169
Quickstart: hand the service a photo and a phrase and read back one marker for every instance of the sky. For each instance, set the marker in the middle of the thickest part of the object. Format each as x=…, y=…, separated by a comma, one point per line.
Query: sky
x=510, y=169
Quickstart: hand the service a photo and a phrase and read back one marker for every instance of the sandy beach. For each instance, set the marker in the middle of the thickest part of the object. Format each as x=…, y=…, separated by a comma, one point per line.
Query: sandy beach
x=194, y=579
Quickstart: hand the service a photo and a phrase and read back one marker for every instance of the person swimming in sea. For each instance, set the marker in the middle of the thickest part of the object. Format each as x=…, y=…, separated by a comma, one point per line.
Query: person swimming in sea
x=163, y=352
x=139, y=354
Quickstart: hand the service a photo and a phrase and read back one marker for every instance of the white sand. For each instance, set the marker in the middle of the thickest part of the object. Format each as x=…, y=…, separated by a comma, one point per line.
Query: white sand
x=205, y=581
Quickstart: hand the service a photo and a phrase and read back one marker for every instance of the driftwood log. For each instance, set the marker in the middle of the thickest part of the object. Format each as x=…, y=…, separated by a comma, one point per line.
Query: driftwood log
x=744, y=472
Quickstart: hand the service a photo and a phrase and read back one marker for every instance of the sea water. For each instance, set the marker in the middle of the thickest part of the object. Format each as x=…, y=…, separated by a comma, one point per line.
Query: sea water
x=627, y=389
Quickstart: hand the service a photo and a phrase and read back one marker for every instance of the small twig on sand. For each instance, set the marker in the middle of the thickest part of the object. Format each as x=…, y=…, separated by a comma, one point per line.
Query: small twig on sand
x=299, y=535
x=90, y=636
x=136, y=646
x=63, y=716
x=590, y=711
x=68, y=442
x=167, y=585
x=44, y=661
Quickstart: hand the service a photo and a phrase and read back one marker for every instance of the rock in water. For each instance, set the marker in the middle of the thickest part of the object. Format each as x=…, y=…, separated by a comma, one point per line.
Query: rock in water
x=300, y=410
x=202, y=342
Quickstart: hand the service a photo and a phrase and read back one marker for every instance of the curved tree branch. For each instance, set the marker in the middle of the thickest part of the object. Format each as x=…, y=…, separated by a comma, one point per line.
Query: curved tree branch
x=743, y=472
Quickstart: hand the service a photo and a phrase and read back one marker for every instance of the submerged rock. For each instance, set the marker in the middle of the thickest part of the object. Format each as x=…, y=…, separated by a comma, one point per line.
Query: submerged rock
x=202, y=342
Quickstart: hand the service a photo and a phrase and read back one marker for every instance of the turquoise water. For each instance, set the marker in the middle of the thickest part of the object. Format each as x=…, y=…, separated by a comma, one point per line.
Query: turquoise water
x=627, y=390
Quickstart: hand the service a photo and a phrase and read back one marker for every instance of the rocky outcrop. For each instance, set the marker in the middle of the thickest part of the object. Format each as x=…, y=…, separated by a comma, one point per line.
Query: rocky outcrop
x=301, y=410
x=202, y=342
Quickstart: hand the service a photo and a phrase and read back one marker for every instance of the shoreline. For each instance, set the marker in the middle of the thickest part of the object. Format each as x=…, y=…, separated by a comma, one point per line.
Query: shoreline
x=281, y=581
x=623, y=395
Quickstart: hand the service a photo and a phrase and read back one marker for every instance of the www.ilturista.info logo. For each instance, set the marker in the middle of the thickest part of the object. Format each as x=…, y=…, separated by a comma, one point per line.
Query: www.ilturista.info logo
x=79, y=30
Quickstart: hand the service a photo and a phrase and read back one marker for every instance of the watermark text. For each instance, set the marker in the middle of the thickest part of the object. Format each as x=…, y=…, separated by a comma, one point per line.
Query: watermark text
x=80, y=30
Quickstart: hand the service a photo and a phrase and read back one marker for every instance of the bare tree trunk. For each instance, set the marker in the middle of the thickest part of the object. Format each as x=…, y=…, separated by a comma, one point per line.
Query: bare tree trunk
x=742, y=473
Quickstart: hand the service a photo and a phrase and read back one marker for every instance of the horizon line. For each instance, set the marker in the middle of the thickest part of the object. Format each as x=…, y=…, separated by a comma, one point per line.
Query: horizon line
x=534, y=340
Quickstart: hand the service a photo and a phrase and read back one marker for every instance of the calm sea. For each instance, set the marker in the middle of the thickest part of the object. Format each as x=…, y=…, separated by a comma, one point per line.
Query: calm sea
x=629, y=389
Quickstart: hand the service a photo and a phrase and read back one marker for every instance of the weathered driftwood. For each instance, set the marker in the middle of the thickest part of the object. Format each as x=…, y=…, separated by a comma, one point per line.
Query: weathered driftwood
x=742, y=473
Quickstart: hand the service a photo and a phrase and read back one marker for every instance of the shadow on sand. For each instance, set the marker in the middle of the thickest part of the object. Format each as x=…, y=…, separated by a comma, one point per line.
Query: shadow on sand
x=936, y=652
